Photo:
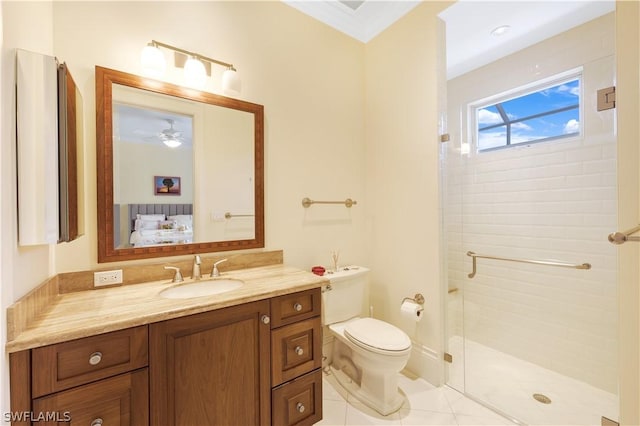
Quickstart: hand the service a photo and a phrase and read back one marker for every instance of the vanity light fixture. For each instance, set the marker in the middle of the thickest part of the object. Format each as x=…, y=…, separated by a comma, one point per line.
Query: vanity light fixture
x=152, y=60
x=196, y=67
x=195, y=74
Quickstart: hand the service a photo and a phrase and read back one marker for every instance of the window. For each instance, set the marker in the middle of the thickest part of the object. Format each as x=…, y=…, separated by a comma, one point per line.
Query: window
x=548, y=113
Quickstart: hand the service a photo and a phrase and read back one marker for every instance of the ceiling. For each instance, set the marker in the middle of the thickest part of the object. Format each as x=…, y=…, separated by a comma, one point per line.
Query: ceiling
x=147, y=126
x=469, y=42
x=469, y=23
x=362, y=20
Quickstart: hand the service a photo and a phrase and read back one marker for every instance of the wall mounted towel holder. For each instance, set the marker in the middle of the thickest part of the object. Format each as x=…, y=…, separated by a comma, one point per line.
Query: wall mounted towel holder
x=228, y=215
x=307, y=202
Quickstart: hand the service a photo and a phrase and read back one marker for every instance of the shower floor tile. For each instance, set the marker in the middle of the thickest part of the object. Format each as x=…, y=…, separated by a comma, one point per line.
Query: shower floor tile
x=508, y=384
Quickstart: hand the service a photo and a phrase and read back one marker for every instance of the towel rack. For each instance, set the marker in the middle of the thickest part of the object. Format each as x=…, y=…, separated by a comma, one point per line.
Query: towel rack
x=474, y=256
x=306, y=202
x=623, y=237
x=228, y=215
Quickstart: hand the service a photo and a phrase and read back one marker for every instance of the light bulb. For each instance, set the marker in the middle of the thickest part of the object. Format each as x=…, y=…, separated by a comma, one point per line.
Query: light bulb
x=195, y=74
x=231, y=83
x=152, y=60
x=172, y=143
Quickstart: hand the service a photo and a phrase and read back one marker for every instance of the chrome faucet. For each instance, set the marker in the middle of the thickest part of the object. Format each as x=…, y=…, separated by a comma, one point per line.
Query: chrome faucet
x=215, y=272
x=196, y=274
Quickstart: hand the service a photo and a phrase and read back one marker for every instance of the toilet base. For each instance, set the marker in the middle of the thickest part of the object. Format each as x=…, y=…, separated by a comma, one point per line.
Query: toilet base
x=383, y=407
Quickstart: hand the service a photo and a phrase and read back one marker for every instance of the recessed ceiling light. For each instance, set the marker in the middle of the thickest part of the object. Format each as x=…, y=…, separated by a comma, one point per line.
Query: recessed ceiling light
x=501, y=30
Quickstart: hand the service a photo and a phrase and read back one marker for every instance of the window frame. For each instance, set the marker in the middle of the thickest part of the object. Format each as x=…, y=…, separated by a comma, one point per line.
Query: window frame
x=520, y=92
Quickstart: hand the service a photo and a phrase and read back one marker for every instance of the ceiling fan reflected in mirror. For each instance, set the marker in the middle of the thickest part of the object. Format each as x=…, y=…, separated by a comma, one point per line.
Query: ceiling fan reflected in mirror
x=171, y=137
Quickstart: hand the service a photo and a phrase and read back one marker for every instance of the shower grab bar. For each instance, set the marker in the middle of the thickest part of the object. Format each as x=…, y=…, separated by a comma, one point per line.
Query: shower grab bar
x=474, y=256
x=622, y=237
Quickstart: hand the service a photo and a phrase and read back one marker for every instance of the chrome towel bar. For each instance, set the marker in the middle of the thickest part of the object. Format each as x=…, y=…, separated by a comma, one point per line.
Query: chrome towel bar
x=623, y=237
x=306, y=202
x=474, y=256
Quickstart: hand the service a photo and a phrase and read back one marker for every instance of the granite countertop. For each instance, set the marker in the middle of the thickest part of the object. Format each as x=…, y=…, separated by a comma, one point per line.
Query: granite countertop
x=90, y=312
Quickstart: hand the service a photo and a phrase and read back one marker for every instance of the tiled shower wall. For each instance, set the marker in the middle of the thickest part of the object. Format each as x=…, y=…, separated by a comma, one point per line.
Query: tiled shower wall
x=551, y=200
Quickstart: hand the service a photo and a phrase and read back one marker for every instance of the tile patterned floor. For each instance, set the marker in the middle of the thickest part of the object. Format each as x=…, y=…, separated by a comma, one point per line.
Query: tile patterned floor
x=425, y=405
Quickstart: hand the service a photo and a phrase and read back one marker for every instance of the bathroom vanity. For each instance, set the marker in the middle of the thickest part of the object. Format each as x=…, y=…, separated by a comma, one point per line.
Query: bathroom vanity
x=128, y=356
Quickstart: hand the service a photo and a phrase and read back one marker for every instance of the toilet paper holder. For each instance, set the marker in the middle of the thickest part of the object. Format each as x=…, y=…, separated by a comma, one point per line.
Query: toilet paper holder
x=418, y=298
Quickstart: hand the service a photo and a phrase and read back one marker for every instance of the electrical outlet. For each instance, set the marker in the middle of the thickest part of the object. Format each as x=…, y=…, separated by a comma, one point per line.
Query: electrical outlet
x=107, y=278
x=217, y=217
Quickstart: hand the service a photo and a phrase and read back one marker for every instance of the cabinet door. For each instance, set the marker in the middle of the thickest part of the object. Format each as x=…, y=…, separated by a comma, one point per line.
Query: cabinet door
x=296, y=349
x=211, y=368
x=122, y=401
x=299, y=402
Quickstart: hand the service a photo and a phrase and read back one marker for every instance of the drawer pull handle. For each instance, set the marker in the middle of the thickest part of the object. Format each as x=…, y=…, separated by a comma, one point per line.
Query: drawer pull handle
x=94, y=359
x=299, y=351
x=96, y=422
x=265, y=319
x=300, y=407
x=297, y=307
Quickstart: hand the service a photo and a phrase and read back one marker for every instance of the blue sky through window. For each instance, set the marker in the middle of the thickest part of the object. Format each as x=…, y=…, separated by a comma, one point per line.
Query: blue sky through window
x=551, y=112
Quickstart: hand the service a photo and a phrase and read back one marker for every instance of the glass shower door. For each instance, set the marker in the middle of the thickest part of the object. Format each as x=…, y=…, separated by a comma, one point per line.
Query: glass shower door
x=535, y=341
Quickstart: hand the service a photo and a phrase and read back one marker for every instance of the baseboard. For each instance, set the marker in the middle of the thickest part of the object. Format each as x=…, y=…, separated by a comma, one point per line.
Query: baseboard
x=426, y=363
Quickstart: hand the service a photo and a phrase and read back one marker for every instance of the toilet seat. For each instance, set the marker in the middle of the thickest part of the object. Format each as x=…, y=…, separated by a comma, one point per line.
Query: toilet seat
x=377, y=336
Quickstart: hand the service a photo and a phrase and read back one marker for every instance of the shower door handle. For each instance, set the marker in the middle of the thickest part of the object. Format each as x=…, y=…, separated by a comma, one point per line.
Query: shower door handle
x=622, y=237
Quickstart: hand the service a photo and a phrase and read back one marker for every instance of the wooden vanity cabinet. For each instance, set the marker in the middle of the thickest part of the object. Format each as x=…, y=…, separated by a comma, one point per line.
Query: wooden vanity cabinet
x=257, y=363
x=212, y=368
x=94, y=381
x=296, y=359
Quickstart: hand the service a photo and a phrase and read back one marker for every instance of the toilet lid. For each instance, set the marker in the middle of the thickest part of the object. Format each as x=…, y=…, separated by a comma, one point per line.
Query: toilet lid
x=377, y=334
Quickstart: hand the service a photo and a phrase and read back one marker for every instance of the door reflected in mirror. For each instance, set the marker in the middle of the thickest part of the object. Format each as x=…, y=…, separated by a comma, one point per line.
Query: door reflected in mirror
x=179, y=171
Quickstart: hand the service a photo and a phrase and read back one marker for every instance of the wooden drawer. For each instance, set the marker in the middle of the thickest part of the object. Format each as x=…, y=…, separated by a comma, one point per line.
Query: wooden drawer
x=64, y=365
x=298, y=402
x=121, y=400
x=296, y=349
x=294, y=307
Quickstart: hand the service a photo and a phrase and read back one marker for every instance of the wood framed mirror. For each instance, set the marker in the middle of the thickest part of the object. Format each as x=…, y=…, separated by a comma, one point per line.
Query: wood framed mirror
x=179, y=171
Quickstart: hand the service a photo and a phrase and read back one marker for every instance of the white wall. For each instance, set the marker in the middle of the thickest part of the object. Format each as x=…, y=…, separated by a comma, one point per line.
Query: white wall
x=312, y=82
x=403, y=224
x=551, y=200
x=136, y=174
x=226, y=170
x=28, y=26
x=311, y=86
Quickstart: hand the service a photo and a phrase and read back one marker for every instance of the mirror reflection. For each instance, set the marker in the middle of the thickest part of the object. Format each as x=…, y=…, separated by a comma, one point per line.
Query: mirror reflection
x=185, y=173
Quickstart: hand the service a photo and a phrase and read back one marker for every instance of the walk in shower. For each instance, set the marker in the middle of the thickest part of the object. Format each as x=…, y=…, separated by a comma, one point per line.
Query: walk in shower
x=531, y=277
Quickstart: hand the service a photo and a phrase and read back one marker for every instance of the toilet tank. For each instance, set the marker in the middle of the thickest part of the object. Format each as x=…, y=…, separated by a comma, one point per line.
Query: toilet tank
x=348, y=296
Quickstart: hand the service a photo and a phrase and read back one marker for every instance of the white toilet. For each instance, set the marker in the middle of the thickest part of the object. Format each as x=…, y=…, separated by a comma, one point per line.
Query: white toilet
x=367, y=353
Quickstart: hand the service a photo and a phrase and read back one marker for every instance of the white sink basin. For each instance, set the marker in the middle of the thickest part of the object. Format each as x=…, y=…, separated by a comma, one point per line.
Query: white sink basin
x=202, y=288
